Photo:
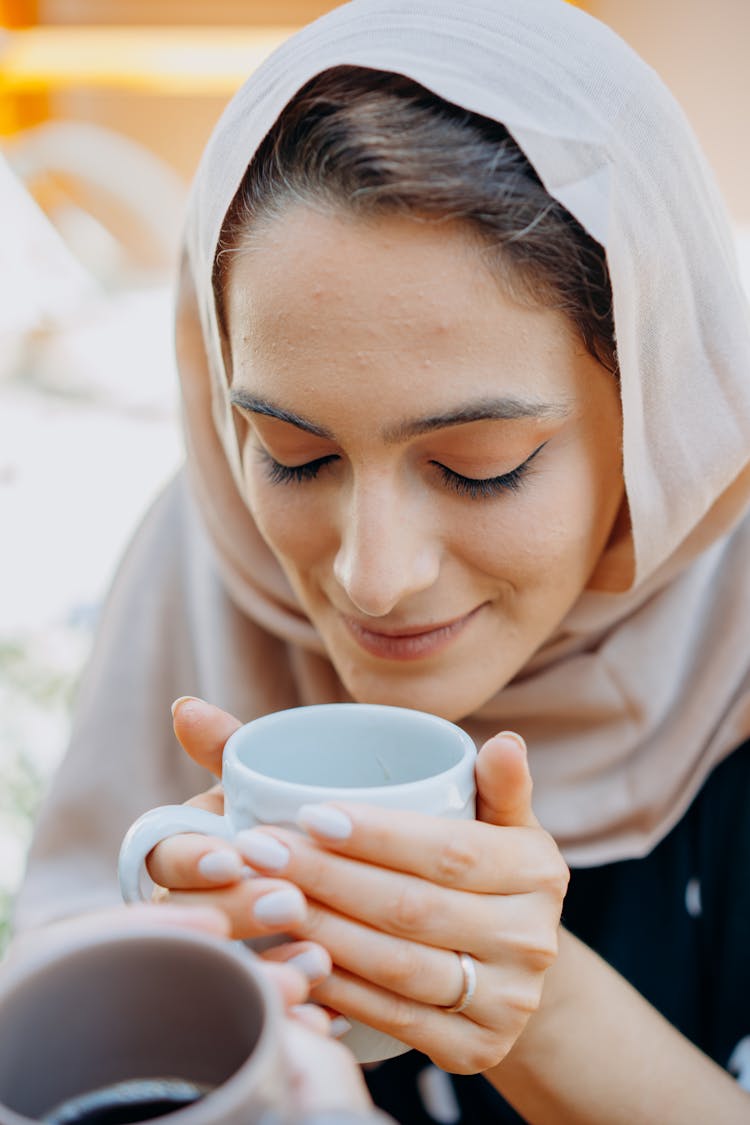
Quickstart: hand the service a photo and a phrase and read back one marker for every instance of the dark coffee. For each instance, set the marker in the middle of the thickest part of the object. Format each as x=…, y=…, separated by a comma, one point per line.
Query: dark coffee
x=141, y=1099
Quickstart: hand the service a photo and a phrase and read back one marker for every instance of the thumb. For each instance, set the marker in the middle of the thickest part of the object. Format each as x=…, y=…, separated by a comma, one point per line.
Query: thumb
x=504, y=782
x=202, y=730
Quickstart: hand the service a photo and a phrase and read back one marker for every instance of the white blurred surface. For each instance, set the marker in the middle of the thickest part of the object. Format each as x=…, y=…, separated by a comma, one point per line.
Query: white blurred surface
x=89, y=433
x=40, y=278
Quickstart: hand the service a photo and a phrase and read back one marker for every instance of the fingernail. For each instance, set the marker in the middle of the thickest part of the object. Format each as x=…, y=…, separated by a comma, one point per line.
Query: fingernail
x=280, y=907
x=311, y=1015
x=515, y=736
x=339, y=1026
x=184, y=699
x=312, y=962
x=325, y=821
x=262, y=850
x=221, y=866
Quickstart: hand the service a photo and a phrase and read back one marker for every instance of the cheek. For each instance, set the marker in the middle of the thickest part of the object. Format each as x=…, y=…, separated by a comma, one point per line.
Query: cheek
x=525, y=543
x=550, y=534
x=292, y=522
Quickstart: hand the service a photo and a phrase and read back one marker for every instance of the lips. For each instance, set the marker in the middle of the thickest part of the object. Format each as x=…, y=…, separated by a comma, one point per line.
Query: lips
x=408, y=642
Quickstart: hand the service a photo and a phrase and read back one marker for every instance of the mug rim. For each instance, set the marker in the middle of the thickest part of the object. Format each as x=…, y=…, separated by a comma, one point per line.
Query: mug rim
x=355, y=792
x=52, y=949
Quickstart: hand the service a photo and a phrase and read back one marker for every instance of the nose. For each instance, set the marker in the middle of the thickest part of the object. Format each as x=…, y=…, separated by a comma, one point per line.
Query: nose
x=386, y=552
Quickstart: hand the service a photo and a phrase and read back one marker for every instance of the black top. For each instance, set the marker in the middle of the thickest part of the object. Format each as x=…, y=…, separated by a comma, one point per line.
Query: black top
x=676, y=924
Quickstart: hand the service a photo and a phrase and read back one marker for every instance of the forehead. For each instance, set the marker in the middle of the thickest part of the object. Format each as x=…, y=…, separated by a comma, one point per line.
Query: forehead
x=334, y=256
x=394, y=269
x=394, y=302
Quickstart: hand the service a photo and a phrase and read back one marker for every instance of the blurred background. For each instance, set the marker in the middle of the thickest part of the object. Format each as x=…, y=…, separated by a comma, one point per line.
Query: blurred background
x=105, y=106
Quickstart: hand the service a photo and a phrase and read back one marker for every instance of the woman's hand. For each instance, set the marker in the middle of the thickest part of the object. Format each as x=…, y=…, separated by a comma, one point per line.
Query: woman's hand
x=191, y=870
x=395, y=897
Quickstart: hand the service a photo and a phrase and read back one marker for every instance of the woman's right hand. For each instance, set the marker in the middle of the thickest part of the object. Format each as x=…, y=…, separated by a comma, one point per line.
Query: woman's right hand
x=194, y=870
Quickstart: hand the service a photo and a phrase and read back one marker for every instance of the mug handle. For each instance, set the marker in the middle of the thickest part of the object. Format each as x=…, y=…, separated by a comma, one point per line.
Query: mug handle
x=148, y=831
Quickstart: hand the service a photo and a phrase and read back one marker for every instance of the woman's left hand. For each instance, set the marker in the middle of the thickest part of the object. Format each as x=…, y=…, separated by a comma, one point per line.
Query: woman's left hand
x=395, y=897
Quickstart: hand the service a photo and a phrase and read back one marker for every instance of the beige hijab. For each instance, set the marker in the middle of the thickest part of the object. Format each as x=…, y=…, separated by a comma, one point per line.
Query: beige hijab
x=630, y=705
x=639, y=694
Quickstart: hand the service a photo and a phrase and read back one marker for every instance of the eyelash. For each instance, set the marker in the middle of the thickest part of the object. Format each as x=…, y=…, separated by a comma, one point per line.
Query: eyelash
x=294, y=474
x=489, y=486
x=464, y=486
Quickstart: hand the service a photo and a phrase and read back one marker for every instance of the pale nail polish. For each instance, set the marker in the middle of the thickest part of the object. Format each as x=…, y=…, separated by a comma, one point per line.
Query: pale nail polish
x=184, y=699
x=515, y=736
x=325, y=821
x=262, y=850
x=222, y=866
x=312, y=962
x=278, y=908
x=339, y=1026
x=311, y=1015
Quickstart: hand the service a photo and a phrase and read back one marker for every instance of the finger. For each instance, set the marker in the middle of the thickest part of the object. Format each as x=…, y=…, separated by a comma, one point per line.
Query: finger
x=452, y=1041
x=254, y=907
x=212, y=800
x=312, y=1016
x=307, y=957
x=523, y=943
x=504, y=783
x=292, y=985
x=189, y=861
x=409, y=969
x=420, y=972
x=408, y=906
x=203, y=918
x=202, y=730
x=324, y=1075
x=206, y=919
x=462, y=854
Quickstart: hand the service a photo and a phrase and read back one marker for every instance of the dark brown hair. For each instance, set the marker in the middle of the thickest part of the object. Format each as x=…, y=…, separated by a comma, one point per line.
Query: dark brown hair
x=375, y=143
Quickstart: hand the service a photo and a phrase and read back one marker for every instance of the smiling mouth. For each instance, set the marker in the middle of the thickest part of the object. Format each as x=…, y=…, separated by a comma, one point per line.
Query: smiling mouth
x=415, y=642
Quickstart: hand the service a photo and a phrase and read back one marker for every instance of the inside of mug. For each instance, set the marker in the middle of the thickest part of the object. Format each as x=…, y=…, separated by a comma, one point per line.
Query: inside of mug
x=350, y=746
x=142, y=1007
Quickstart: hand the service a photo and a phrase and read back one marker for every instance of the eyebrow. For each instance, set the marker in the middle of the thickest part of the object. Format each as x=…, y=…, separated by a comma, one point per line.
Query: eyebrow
x=506, y=409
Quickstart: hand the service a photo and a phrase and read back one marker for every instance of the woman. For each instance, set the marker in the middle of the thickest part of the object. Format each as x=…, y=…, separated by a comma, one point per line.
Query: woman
x=421, y=472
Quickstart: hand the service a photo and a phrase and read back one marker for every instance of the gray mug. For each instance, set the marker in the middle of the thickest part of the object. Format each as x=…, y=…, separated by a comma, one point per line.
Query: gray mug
x=107, y=1023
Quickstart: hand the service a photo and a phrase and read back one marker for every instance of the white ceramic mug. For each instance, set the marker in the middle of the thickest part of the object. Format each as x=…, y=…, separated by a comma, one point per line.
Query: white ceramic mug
x=97, y=1018
x=388, y=756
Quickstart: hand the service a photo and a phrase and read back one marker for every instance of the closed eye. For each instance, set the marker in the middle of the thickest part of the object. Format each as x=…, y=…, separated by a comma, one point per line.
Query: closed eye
x=474, y=488
x=487, y=487
x=293, y=474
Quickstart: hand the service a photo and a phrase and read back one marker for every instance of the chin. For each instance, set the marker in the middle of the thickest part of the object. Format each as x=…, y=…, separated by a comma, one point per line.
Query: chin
x=437, y=694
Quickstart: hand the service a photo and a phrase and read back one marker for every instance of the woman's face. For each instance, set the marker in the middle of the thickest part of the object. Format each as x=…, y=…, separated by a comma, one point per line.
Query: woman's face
x=436, y=467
